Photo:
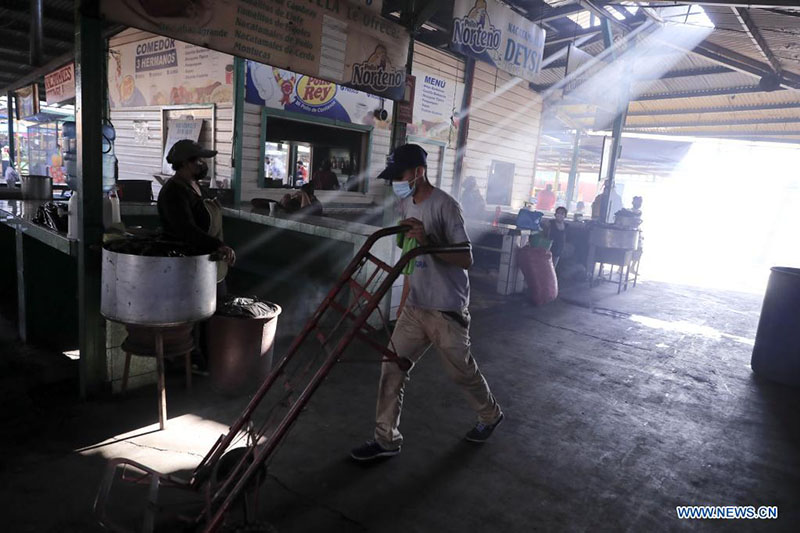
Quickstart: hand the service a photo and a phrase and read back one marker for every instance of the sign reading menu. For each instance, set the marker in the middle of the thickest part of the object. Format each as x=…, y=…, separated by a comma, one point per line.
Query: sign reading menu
x=342, y=41
x=491, y=32
x=436, y=102
x=177, y=130
x=60, y=85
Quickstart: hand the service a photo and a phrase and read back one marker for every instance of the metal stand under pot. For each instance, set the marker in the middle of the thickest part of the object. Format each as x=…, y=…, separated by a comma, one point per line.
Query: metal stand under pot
x=612, y=245
x=156, y=296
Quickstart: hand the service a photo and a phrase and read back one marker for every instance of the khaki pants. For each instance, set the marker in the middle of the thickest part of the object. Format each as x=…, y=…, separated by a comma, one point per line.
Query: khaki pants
x=414, y=333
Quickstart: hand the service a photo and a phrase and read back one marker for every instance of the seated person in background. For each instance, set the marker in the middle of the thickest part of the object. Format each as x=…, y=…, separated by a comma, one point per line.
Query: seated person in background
x=302, y=202
x=325, y=179
x=637, y=206
x=301, y=174
x=557, y=232
x=546, y=199
x=579, y=210
x=472, y=202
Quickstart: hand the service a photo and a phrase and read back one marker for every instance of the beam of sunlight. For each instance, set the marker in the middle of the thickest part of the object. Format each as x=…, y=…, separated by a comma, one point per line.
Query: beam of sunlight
x=689, y=328
x=599, y=61
x=641, y=61
x=181, y=446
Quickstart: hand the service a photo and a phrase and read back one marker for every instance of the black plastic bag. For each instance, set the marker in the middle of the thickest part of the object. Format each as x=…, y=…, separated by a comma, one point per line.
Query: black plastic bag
x=53, y=216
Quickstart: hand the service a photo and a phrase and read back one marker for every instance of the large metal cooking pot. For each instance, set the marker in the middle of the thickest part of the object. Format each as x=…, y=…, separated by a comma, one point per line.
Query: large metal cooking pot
x=158, y=291
x=614, y=237
x=37, y=188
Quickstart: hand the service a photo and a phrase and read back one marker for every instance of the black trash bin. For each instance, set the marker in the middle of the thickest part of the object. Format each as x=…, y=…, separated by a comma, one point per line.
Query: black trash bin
x=776, y=354
x=240, y=339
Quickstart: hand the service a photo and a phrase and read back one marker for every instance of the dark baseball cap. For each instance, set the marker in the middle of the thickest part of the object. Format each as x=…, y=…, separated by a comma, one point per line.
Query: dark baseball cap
x=187, y=149
x=403, y=158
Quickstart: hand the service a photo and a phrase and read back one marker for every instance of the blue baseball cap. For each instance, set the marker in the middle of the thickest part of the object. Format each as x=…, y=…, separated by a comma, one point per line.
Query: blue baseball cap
x=403, y=158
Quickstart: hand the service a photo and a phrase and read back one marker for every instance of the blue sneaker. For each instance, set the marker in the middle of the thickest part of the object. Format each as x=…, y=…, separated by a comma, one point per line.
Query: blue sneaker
x=481, y=432
x=371, y=450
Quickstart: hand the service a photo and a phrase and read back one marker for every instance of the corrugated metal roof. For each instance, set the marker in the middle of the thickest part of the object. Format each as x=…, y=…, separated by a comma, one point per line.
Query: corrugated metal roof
x=733, y=101
x=782, y=33
x=736, y=41
x=694, y=83
x=723, y=18
x=751, y=115
x=718, y=116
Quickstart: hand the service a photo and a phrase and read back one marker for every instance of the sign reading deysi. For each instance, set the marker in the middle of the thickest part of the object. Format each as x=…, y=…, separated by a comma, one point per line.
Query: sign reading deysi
x=493, y=33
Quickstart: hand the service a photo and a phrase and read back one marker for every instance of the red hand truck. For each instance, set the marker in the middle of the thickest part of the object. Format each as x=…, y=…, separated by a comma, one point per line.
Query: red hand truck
x=227, y=471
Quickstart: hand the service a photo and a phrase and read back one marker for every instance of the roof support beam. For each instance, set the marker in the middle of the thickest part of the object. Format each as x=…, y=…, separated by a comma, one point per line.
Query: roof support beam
x=698, y=94
x=732, y=122
x=423, y=13
x=12, y=67
x=761, y=4
x=685, y=73
x=51, y=16
x=739, y=62
x=557, y=13
x=36, y=75
x=602, y=14
x=704, y=110
x=21, y=36
x=754, y=33
x=569, y=38
x=37, y=33
x=16, y=55
x=690, y=73
x=726, y=134
x=734, y=60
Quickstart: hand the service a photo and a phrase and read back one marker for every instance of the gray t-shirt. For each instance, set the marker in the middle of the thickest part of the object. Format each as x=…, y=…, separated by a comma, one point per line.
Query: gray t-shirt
x=436, y=284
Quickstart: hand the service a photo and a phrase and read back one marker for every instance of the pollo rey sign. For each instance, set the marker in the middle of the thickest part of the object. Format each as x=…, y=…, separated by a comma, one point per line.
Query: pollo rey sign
x=60, y=85
x=347, y=42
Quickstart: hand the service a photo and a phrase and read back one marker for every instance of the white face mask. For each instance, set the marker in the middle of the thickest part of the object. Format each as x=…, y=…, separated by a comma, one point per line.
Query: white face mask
x=404, y=189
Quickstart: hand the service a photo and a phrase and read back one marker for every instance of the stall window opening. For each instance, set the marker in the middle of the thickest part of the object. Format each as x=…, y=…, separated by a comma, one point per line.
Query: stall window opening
x=297, y=152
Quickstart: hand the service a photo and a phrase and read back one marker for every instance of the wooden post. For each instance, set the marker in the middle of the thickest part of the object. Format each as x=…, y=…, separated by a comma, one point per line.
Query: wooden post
x=10, y=110
x=162, y=387
x=463, y=126
x=89, y=80
x=238, y=129
x=572, y=183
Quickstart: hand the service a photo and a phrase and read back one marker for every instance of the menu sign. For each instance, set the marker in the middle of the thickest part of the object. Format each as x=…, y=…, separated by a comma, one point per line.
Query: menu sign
x=26, y=101
x=177, y=130
x=163, y=71
x=491, y=32
x=344, y=41
x=60, y=85
x=289, y=91
x=436, y=101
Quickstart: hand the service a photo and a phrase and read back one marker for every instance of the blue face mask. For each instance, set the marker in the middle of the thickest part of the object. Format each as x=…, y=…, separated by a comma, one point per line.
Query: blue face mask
x=403, y=189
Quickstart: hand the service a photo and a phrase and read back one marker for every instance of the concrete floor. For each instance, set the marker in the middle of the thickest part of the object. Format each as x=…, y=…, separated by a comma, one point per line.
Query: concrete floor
x=617, y=410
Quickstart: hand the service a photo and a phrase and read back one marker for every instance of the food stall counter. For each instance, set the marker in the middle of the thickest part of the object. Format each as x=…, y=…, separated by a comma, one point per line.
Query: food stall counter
x=20, y=214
